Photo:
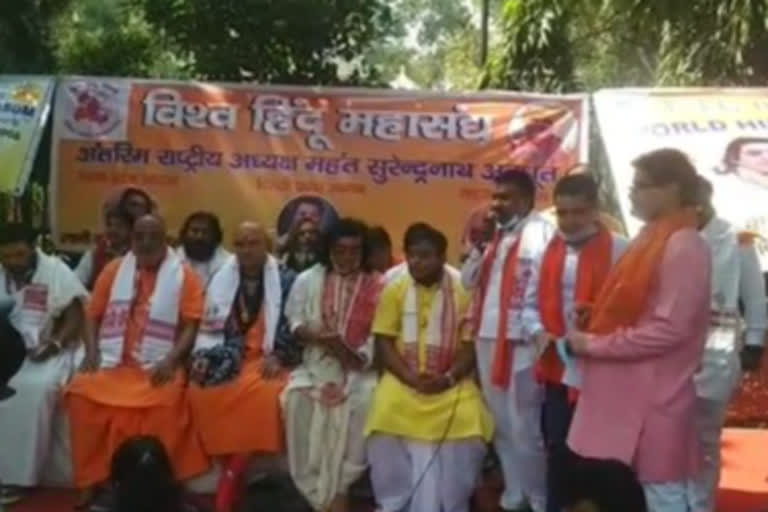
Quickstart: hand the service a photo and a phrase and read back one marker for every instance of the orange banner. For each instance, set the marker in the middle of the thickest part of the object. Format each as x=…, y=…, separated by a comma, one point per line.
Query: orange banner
x=274, y=154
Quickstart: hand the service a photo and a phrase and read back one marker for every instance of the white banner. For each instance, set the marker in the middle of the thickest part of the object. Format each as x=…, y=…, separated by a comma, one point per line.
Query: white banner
x=723, y=131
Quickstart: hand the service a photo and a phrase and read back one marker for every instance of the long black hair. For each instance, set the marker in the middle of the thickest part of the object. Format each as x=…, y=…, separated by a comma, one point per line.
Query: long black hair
x=213, y=223
x=143, y=478
x=344, y=228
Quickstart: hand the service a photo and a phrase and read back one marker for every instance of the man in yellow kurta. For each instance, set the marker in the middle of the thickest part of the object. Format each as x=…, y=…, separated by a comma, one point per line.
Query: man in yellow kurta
x=141, y=323
x=428, y=426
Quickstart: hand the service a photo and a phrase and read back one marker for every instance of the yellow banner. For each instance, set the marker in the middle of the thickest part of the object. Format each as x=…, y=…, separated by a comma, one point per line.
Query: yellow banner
x=272, y=154
x=24, y=106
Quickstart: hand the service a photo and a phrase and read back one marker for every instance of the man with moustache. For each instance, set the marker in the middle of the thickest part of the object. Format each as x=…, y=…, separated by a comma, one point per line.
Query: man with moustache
x=500, y=276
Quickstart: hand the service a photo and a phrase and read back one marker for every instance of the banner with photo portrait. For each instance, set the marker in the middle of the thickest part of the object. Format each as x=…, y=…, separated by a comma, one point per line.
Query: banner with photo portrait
x=279, y=154
x=723, y=131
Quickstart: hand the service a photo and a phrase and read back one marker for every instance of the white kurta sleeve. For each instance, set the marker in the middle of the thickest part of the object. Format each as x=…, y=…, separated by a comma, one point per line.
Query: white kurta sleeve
x=297, y=298
x=530, y=319
x=753, y=296
x=84, y=268
x=470, y=270
x=530, y=315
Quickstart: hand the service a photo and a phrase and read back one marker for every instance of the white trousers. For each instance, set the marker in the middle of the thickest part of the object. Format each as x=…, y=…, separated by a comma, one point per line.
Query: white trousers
x=26, y=419
x=518, y=439
x=710, y=419
x=415, y=476
x=326, y=446
x=667, y=497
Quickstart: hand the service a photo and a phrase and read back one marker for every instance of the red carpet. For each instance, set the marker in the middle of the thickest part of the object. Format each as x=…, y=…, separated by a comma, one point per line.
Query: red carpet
x=744, y=487
x=750, y=406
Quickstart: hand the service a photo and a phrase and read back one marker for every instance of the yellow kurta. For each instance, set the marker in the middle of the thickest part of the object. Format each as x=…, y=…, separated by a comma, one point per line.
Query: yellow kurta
x=400, y=410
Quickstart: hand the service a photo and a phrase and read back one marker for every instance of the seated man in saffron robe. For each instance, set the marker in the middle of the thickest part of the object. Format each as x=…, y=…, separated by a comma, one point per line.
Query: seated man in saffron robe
x=331, y=308
x=428, y=425
x=141, y=324
x=241, y=350
x=46, y=303
x=645, y=339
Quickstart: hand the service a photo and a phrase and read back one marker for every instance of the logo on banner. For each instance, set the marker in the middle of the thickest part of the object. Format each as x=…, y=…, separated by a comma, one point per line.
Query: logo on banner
x=96, y=110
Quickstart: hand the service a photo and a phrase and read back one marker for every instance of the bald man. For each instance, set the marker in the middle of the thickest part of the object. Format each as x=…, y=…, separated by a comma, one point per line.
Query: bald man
x=141, y=324
x=238, y=365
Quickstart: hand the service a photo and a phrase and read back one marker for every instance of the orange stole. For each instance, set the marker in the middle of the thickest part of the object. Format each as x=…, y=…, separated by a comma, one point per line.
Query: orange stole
x=241, y=416
x=594, y=264
x=624, y=295
x=501, y=370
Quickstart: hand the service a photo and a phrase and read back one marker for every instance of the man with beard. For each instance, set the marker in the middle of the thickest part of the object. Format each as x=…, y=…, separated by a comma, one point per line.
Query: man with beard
x=645, y=339
x=47, y=311
x=200, y=238
x=500, y=276
x=300, y=251
x=141, y=323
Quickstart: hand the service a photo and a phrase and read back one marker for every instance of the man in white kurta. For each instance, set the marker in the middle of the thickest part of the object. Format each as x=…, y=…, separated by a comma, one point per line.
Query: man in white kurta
x=736, y=277
x=499, y=276
x=330, y=309
x=47, y=312
x=200, y=238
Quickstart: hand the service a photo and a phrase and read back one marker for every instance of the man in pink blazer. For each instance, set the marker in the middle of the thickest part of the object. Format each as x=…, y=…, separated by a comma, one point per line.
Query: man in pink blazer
x=646, y=337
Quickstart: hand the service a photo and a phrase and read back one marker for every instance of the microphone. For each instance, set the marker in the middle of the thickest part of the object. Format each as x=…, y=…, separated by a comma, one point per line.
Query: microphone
x=13, y=351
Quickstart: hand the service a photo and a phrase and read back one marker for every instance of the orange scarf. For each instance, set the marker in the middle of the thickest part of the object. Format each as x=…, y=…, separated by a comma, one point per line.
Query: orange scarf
x=624, y=295
x=594, y=263
x=502, y=356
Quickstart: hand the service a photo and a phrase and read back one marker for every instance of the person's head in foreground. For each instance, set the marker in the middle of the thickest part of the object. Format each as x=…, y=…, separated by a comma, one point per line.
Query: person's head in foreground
x=577, y=207
x=18, y=250
x=704, y=209
x=593, y=485
x=149, y=241
x=201, y=235
x=513, y=197
x=380, y=256
x=251, y=247
x=143, y=479
x=665, y=182
x=345, y=249
x=747, y=157
x=136, y=202
x=425, y=250
x=118, y=228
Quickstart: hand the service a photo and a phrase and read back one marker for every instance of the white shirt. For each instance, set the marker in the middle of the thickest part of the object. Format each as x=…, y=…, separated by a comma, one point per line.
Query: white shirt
x=536, y=232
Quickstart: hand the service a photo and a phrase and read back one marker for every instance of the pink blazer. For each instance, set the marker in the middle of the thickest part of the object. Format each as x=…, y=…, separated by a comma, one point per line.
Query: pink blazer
x=638, y=400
